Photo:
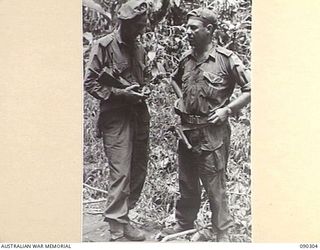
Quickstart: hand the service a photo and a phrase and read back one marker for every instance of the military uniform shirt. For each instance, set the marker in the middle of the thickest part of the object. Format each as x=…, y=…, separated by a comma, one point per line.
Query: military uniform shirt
x=207, y=86
x=111, y=52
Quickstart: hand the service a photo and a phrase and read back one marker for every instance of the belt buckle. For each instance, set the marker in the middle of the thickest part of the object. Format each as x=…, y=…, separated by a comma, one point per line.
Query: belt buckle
x=195, y=119
x=192, y=119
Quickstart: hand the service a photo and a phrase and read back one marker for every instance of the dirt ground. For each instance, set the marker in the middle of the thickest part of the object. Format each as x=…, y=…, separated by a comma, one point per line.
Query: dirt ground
x=96, y=230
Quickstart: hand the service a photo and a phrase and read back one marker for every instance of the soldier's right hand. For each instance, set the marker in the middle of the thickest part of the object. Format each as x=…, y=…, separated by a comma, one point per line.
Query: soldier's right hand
x=132, y=87
x=132, y=95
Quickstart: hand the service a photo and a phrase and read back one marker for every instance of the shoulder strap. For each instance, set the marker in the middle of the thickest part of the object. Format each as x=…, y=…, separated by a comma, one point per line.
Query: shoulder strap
x=224, y=51
x=106, y=40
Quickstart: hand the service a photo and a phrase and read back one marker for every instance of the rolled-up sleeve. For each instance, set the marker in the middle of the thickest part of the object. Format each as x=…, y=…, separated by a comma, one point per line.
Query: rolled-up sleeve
x=94, y=68
x=240, y=74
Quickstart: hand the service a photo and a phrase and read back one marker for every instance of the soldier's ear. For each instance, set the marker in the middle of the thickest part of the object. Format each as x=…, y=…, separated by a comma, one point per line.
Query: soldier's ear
x=209, y=28
x=142, y=7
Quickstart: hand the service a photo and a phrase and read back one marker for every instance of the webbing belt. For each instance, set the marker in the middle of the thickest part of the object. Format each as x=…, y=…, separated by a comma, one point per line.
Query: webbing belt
x=193, y=119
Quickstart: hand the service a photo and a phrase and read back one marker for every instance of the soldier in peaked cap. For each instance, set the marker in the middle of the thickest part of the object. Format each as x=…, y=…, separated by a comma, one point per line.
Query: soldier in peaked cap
x=124, y=118
x=207, y=76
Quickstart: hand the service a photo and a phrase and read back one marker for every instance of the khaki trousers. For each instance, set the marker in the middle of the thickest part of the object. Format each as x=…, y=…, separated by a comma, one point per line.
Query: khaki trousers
x=125, y=135
x=193, y=167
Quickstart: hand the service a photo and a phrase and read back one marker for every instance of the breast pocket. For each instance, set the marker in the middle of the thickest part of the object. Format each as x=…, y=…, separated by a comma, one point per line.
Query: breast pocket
x=213, y=79
x=214, y=84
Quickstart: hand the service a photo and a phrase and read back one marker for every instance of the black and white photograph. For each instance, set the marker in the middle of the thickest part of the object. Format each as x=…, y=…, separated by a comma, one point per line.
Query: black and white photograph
x=166, y=121
x=128, y=122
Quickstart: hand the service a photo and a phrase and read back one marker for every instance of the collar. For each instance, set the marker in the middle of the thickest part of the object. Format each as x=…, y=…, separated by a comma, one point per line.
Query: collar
x=118, y=37
x=211, y=53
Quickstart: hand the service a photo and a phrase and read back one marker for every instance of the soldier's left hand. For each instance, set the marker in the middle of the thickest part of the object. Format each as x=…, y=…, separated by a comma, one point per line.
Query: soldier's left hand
x=219, y=115
x=146, y=91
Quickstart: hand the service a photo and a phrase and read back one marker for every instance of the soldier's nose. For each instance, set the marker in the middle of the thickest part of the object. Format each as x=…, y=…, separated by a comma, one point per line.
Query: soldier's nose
x=189, y=31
